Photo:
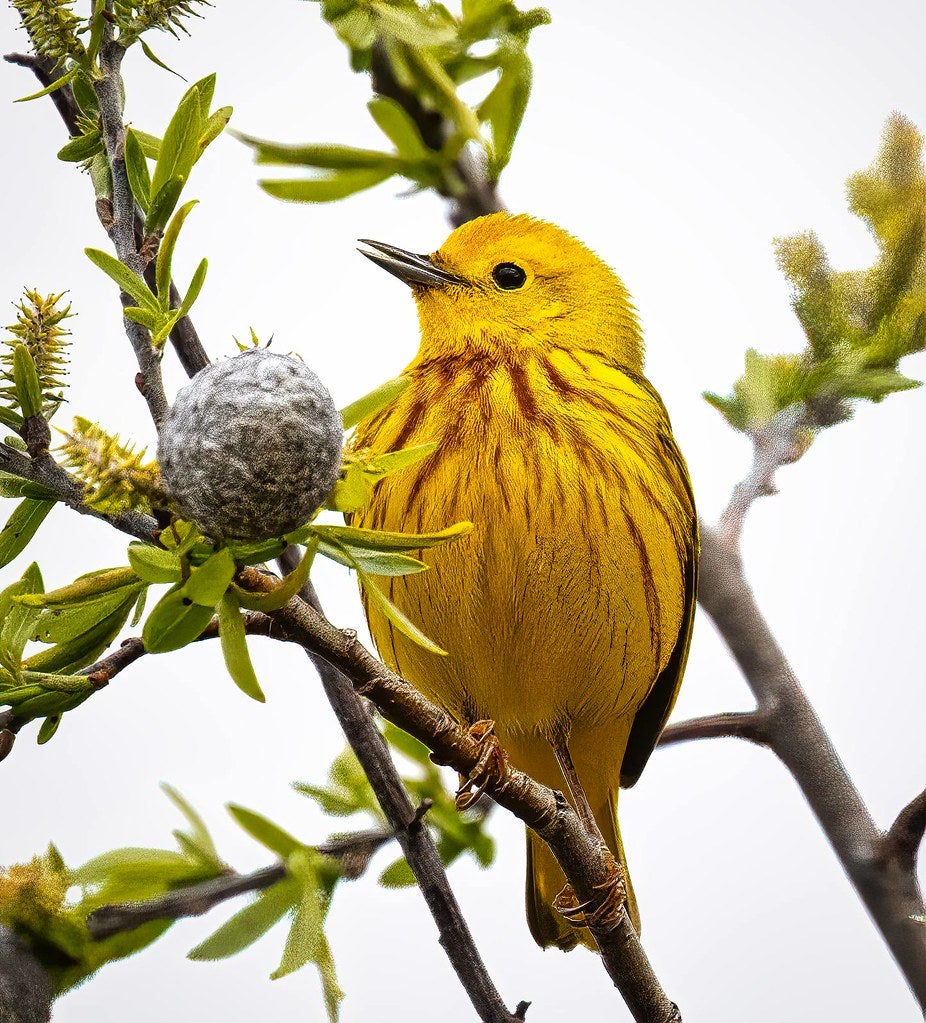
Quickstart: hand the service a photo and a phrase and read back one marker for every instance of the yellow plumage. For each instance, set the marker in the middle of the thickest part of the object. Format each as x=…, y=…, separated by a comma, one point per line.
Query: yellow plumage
x=566, y=613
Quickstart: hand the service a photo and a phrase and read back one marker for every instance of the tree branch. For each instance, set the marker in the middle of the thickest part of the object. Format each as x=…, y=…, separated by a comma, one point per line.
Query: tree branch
x=774, y=445
x=587, y=865
x=197, y=899
x=121, y=230
x=750, y=725
x=25, y=988
x=905, y=836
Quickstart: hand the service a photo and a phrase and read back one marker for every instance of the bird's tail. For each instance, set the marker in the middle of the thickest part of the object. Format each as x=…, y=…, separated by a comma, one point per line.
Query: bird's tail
x=545, y=880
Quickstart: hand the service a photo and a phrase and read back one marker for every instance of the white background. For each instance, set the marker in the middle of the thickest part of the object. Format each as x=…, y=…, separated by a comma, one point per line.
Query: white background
x=677, y=139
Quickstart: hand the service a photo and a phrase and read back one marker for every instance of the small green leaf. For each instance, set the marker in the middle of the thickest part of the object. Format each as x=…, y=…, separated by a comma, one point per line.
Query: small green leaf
x=63, y=623
x=82, y=147
x=13, y=486
x=150, y=144
x=26, y=379
x=375, y=401
x=174, y=622
x=207, y=584
x=306, y=935
x=130, y=283
x=180, y=145
x=397, y=875
x=154, y=564
x=145, y=317
x=215, y=125
x=235, y=648
x=265, y=831
x=166, y=253
x=285, y=591
x=382, y=540
x=407, y=744
x=155, y=59
x=333, y=803
x=335, y=186
x=404, y=624
x=399, y=127
x=65, y=79
x=72, y=654
x=87, y=587
x=136, y=165
x=372, y=562
x=196, y=285
x=163, y=204
x=324, y=157
x=198, y=830
x=15, y=619
x=250, y=923
x=48, y=729
x=21, y=526
x=504, y=107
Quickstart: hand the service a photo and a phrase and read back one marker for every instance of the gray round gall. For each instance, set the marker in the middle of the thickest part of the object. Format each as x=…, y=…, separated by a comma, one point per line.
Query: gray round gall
x=251, y=447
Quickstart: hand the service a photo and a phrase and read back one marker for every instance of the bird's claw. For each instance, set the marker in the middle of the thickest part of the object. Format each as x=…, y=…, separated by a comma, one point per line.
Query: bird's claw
x=490, y=769
x=602, y=912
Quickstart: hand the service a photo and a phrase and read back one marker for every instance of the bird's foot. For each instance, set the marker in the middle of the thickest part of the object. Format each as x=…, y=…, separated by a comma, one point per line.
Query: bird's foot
x=601, y=912
x=490, y=769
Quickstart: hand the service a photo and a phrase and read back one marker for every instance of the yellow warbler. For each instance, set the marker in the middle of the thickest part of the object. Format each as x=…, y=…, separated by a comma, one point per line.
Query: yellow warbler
x=566, y=613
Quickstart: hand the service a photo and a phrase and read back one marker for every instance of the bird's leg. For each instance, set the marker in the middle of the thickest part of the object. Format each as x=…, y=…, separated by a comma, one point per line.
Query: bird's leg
x=579, y=799
x=490, y=769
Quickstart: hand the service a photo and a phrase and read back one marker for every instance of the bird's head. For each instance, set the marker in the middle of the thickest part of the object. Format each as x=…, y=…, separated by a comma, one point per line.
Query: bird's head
x=505, y=281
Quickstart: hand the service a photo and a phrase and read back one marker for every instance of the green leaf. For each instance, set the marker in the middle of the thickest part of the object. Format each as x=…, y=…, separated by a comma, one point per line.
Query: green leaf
x=146, y=318
x=326, y=189
x=180, y=145
x=155, y=59
x=136, y=166
x=407, y=744
x=163, y=203
x=397, y=125
x=14, y=486
x=372, y=562
x=305, y=937
x=63, y=623
x=26, y=379
x=235, y=648
x=15, y=619
x=382, y=540
x=335, y=804
x=324, y=157
x=270, y=835
x=397, y=875
x=155, y=864
x=196, y=285
x=21, y=526
x=81, y=590
x=250, y=923
x=129, y=282
x=150, y=144
x=166, y=254
x=174, y=622
x=198, y=830
x=82, y=88
x=72, y=654
x=285, y=591
x=207, y=584
x=375, y=401
x=48, y=729
x=215, y=125
x=504, y=107
x=60, y=83
x=404, y=624
x=81, y=147
x=154, y=564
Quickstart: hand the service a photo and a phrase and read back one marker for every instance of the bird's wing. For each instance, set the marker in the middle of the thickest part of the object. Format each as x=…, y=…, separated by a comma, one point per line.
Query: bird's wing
x=653, y=714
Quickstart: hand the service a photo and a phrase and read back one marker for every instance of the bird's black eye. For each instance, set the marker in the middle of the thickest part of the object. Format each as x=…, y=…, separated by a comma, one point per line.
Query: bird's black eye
x=508, y=276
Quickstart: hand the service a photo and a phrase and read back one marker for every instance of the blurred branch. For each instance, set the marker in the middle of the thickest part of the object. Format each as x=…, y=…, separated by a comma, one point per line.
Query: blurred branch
x=480, y=194
x=25, y=987
x=750, y=725
x=197, y=899
x=774, y=444
x=905, y=836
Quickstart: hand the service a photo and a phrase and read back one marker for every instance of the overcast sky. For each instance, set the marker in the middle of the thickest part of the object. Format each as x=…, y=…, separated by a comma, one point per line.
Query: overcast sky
x=677, y=139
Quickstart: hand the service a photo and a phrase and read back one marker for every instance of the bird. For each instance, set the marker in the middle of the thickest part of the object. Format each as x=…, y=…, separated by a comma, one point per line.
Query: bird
x=566, y=613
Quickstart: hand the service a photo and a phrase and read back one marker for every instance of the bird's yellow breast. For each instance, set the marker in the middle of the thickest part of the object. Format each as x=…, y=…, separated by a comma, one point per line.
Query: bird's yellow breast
x=566, y=600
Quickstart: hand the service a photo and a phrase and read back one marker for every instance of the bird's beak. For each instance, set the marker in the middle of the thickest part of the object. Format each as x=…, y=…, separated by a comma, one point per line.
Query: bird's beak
x=408, y=266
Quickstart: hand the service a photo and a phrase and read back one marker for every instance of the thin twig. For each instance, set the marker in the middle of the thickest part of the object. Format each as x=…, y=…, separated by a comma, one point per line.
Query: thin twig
x=121, y=229
x=197, y=899
x=774, y=445
x=749, y=725
x=903, y=839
